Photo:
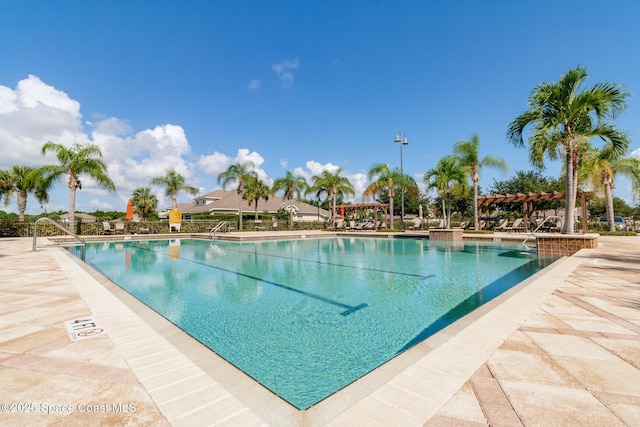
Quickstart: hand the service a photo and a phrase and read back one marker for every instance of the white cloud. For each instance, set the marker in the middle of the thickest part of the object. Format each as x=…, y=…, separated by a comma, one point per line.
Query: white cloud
x=283, y=71
x=254, y=84
x=36, y=112
x=33, y=114
x=635, y=153
x=312, y=168
x=216, y=163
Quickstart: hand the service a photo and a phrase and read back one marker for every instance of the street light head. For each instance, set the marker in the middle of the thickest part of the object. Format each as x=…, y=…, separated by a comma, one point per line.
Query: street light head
x=397, y=138
x=405, y=142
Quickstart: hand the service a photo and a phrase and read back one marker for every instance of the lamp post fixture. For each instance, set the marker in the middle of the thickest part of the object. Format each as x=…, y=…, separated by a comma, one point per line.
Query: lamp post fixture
x=403, y=141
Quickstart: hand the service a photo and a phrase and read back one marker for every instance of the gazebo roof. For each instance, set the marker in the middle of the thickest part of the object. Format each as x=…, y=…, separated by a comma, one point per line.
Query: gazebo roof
x=529, y=197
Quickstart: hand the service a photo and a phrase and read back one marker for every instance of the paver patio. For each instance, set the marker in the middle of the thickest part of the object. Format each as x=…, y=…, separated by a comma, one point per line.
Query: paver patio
x=563, y=349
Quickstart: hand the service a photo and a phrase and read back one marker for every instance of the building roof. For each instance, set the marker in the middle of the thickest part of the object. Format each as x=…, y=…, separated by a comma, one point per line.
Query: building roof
x=78, y=215
x=225, y=201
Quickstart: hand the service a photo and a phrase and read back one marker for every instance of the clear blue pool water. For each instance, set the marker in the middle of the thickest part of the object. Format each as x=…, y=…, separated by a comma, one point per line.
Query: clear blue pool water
x=307, y=317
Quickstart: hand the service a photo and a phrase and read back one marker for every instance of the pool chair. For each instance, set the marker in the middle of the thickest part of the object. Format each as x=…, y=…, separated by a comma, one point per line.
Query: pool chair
x=516, y=226
x=119, y=227
x=107, y=227
x=502, y=225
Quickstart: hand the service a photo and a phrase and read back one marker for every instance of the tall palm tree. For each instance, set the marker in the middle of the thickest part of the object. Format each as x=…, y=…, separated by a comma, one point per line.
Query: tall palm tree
x=291, y=185
x=76, y=161
x=564, y=118
x=174, y=182
x=333, y=184
x=255, y=190
x=600, y=168
x=144, y=202
x=240, y=173
x=468, y=154
x=444, y=177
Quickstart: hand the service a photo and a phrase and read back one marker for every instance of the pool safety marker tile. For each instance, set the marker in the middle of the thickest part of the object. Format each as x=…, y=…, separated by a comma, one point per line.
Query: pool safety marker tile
x=83, y=328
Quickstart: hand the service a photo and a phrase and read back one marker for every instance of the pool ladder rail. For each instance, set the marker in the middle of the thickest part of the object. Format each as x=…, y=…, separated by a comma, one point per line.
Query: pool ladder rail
x=81, y=241
x=529, y=249
x=221, y=226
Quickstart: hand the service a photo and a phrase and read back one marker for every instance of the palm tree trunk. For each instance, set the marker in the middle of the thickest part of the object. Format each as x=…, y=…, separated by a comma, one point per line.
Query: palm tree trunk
x=391, y=213
x=72, y=209
x=444, y=213
x=335, y=219
x=240, y=213
x=476, y=223
x=608, y=198
x=290, y=212
x=22, y=204
x=570, y=191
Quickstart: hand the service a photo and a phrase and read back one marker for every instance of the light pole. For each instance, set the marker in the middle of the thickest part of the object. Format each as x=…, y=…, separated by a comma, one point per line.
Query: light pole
x=403, y=141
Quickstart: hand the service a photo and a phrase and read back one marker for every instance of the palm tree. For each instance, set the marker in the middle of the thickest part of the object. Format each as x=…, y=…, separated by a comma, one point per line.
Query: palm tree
x=333, y=184
x=255, y=190
x=447, y=173
x=240, y=173
x=600, y=168
x=22, y=180
x=76, y=161
x=291, y=185
x=382, y=178
x=468, y=154
x=174, y=182
x=144, y=202
x=564, y=119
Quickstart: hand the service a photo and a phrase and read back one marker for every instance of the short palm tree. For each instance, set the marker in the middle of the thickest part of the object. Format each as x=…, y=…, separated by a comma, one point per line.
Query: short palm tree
x=444, y=177
x=468, y=153
x=174, y=182
x=22, y=180
x=382, y=178
x=144, y=202
x=239, y=173
x=600, y=168
x=255, y=190
x=76, y=161
x=334, y=185
x=564, y=118
x=291, y=185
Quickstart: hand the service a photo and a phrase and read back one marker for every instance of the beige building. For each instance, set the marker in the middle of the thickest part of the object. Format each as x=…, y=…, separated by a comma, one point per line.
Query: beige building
x=226, y=202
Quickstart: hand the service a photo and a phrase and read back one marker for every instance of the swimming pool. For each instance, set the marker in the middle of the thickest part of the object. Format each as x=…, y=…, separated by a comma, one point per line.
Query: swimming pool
x=307, y=317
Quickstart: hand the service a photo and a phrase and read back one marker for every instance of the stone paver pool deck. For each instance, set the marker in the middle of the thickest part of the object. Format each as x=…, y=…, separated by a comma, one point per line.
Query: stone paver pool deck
x=562, y=348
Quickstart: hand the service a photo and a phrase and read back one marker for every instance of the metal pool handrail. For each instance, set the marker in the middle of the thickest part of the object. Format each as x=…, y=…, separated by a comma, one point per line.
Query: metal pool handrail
x=212, y=232
x=532, y=234
x=35, y=234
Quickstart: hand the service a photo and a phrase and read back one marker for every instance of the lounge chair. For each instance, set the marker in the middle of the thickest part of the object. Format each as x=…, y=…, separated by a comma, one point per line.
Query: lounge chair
x=107, y=227
x=516, y=226
x=501, y=225
x=557, y=227
x=257, y=225
x=415, y=224
x=464, y=225
x=119, y=227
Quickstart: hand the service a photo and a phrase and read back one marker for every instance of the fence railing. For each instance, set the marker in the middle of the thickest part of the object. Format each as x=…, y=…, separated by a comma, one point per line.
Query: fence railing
x=14, y=228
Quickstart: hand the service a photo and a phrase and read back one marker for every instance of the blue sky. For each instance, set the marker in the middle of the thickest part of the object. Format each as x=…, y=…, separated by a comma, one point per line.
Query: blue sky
x=291, y=85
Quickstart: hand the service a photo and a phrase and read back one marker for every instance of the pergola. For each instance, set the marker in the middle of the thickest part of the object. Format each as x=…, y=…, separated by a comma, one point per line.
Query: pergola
x=528, y=199
x=375, y=207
